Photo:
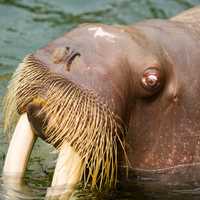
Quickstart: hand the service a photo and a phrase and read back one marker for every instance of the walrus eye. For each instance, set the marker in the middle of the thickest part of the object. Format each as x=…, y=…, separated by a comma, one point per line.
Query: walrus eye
x=151, y=79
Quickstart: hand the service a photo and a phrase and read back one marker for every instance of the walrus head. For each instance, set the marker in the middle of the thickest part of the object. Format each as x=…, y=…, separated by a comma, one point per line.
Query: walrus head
x=80, y=90
x=74, y=93
x=115, y=94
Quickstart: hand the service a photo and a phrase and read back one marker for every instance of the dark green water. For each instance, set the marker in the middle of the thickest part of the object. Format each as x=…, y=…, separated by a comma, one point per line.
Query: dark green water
x=26, y=25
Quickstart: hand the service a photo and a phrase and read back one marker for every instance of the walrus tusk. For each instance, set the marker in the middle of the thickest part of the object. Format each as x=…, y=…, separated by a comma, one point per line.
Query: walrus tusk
x=19, y=149
x=68, y=173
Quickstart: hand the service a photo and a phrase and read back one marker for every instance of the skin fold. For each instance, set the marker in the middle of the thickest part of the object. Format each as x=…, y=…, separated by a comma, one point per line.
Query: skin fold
x=115, y=98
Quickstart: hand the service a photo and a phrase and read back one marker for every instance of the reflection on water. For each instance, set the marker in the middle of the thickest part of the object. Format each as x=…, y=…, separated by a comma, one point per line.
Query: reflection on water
x=26, y=25
x=35, y=189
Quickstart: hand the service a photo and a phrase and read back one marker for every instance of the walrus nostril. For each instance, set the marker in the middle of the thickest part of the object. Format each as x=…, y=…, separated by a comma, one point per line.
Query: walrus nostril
x=70, y=59
x=64, y=55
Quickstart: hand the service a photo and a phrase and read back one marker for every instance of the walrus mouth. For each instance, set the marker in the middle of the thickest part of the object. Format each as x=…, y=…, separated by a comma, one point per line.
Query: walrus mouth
x=72, y=115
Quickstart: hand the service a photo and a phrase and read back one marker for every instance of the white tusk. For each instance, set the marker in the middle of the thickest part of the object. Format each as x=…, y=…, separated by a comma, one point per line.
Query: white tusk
x=68, y=173
x=19, y=149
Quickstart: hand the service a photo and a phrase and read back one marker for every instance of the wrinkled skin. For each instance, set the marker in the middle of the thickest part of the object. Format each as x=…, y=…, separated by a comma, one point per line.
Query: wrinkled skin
x=163, y=129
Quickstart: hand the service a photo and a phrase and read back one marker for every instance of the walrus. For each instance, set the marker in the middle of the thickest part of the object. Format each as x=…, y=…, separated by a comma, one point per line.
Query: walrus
x=112, y=99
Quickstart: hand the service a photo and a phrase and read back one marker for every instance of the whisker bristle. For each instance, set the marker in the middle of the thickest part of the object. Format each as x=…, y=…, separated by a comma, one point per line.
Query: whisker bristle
x=73, y=115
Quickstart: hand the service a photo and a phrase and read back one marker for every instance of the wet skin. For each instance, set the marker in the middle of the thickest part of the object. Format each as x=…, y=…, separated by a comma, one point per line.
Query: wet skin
x=148, y=73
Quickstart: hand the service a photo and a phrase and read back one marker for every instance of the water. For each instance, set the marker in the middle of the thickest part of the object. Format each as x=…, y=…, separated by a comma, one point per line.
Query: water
x=26, y=25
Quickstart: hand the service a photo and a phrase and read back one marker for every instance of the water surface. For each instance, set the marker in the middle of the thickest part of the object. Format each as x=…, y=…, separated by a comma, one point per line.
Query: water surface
x=26, y=25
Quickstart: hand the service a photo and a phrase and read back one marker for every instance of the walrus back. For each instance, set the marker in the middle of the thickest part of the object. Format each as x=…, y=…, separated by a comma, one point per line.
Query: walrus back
x=190, y=17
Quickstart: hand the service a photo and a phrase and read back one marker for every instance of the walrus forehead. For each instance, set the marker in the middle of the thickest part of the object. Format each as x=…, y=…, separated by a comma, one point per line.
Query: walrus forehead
x=99, y=33
x=90, y=40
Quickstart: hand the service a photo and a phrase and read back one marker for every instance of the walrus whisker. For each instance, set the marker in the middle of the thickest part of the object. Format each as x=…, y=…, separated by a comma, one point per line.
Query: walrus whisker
x=78, y=142
x=72, y=115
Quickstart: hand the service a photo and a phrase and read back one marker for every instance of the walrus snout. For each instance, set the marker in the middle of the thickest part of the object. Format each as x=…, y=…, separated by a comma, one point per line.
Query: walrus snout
x=64, y=109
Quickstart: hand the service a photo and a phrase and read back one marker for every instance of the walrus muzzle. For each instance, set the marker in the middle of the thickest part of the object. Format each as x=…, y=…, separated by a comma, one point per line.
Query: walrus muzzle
x=64, y=114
